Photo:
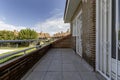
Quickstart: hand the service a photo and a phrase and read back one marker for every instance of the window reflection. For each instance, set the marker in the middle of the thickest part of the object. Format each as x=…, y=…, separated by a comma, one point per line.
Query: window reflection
x=113, y=29
x=119, y=34
x=118, y=64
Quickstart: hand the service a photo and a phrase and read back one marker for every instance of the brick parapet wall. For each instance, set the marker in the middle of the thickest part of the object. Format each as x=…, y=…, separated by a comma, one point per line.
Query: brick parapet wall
x=67, y=42
x=89, y=31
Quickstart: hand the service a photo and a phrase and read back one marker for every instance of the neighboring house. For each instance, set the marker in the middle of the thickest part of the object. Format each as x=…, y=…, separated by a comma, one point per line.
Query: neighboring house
x=43, y=35
x=61, y=34
x=95, y=28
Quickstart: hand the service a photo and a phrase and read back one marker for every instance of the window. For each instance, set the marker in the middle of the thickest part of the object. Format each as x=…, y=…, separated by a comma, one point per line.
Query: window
x=74, y=28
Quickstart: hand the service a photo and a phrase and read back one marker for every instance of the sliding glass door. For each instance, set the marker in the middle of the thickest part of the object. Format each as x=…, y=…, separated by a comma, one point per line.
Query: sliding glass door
x=108, y=38
x=79, y=32
x=103, y=42
x=116, y=40
x=78, y=22
x=118, y=54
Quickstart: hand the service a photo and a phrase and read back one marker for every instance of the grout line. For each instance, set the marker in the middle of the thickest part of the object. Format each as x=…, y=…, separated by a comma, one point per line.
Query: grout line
x=31, y=70
x=61, y=52
x=61, y=64
x=47, y=69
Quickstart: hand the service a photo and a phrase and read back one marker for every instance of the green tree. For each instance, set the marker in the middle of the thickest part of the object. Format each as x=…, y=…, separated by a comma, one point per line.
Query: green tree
x=25, y=34
x=7, y=35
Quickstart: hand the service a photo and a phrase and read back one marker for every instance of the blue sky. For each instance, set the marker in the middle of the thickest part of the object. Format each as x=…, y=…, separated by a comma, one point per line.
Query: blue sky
x=35, y=14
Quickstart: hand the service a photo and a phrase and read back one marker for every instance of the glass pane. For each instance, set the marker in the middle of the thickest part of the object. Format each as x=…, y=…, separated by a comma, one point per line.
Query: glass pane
x=107, y=39
x=119, y=43
x=119, y=33
x=113, y=39
x=113, y=30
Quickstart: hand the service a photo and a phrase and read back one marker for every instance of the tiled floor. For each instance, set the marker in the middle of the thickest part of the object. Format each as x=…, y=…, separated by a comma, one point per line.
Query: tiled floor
x=62, y=64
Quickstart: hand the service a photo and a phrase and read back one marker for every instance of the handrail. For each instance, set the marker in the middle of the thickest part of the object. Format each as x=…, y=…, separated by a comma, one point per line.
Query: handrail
x=24, y=50
x=17, y=68
x=28, y=40
x=1, y=41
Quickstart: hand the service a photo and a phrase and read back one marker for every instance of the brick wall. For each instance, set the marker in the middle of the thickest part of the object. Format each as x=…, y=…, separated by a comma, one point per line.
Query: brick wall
x=89, y=37
x=66, y=42
x=88, y=26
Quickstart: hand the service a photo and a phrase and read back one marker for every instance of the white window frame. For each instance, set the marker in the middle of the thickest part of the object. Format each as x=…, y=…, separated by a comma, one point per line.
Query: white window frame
x=74, y=26
x=98, y=23
x=75, y=33
x=79, y=51
x=114, y=62
x=117, y=29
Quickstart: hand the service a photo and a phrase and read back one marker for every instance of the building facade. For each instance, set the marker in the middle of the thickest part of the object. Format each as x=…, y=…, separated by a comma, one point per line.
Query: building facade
x=61, y=34
x=42, y=35
x=95, y=26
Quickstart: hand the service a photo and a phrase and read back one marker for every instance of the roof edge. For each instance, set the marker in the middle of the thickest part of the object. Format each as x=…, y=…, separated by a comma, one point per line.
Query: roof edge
x=65, y=10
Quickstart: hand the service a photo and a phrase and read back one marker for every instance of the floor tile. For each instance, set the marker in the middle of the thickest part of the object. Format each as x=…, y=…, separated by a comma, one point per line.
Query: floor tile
x=62, y=64
x=68, y=67
x=71, y=76
x=36, y=76
x=53, y=76
x=55, y=67
x=88, y=76
x=41, y=68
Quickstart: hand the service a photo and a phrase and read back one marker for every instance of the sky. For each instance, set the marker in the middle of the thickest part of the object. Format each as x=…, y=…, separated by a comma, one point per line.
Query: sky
x=40, y=15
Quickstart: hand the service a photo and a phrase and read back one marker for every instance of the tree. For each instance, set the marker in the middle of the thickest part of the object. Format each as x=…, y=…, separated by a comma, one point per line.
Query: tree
x=25, y=34
x=7, y=35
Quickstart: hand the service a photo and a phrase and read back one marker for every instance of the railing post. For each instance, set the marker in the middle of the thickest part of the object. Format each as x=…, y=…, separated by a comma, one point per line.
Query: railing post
x=24, y=52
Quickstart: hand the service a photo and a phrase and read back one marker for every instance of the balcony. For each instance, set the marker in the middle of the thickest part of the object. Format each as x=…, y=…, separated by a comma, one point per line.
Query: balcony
x=56, y=61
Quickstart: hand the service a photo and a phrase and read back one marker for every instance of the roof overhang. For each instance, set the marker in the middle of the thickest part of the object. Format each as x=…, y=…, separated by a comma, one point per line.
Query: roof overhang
x=71, y=6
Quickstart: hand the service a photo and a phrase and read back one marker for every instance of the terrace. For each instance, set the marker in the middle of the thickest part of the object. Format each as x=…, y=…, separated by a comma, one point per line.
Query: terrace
x=56, y=61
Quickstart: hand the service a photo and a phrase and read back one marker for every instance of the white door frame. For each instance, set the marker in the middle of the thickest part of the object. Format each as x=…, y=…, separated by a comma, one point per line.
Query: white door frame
x=116, y=62
x=112, y=61
x=99, y=23
x=117, y=29
x=79, y=33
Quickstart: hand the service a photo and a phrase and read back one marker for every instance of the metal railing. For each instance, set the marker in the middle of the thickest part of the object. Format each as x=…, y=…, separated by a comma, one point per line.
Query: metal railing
x=17, y=68
x=17, y=52
x=13, y=41
x=24, y=50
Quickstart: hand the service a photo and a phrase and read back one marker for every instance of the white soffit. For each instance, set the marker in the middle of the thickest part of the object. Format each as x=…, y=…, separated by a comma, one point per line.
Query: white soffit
x=70, y=9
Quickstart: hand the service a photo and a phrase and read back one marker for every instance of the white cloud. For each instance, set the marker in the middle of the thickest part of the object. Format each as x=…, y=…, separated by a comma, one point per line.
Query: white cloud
x=5, y=26
x=51, y=25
